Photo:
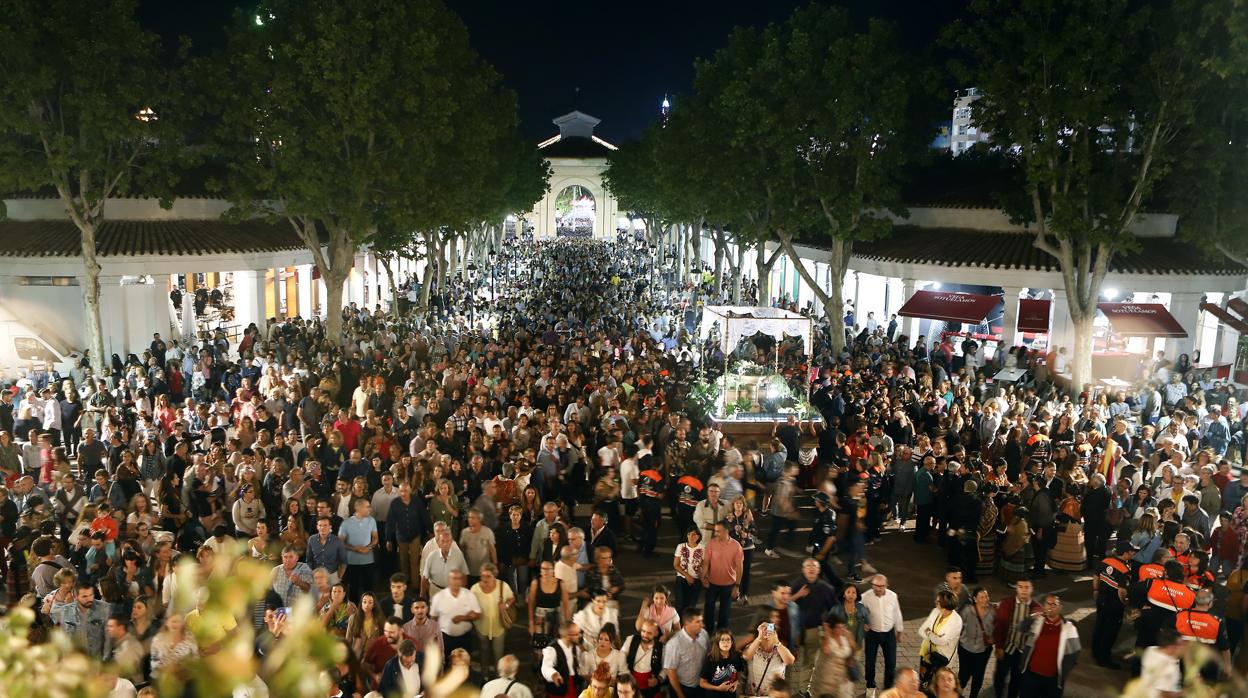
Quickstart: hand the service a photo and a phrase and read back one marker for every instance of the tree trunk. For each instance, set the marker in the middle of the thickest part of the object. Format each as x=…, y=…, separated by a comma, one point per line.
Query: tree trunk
x=718, y=237
x=1081, y=354
x=678, y=250
x=384, y=262
x=695, y=246
x=335, y=271
x=426, y=274
x=763, y=266
x=838, y=262
x=334, y=279
x=334, y=263
x=91, y=300
x=452, y=259
x=736, y=275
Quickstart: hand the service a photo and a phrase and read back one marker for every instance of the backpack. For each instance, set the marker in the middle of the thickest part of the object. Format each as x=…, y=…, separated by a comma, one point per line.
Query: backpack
x=773, y=468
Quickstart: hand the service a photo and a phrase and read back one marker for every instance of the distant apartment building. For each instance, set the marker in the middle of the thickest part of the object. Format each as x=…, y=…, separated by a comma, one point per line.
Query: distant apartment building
x=964, y=133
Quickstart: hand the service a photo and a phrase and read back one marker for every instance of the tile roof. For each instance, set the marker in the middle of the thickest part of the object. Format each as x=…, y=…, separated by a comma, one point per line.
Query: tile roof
x=575, y=148
x=958, y=247
x=56, y=238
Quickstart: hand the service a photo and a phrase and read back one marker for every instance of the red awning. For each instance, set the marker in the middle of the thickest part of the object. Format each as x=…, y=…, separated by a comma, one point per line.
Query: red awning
x=950, y=307
x=1033, y=315
x=1225, y=316
x=1142, y=320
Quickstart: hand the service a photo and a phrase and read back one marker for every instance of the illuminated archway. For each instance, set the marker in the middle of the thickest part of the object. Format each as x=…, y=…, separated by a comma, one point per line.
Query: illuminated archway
x=575, y=211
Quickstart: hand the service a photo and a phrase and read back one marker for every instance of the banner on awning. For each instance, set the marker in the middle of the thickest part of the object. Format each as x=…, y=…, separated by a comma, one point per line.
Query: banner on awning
x=1142, y=320
x=949, y=307
x=1033, y=315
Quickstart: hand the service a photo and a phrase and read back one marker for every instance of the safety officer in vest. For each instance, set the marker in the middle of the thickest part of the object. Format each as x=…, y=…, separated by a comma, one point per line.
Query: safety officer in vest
x=650, y=497
x=1155, y=569
x=689, y=492
x=1199, y=624
x=823, y=537
x=1111, y=585
x=1158, y=601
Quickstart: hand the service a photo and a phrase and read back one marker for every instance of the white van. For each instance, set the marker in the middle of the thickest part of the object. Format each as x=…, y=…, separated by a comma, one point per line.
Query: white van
x=22, y=348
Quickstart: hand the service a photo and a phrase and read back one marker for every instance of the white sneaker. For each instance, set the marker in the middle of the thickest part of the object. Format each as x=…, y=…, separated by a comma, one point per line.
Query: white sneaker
x=870, y=693
x=771, y=553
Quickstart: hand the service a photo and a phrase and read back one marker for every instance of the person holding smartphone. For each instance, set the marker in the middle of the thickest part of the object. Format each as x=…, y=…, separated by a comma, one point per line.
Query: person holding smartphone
x=766, y=660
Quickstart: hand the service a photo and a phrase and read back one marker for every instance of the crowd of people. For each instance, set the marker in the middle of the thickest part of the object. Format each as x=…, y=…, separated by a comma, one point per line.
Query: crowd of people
x=435, y=480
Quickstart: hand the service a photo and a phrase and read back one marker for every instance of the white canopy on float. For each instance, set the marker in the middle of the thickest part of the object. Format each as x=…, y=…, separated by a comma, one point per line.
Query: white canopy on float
x=738, y=322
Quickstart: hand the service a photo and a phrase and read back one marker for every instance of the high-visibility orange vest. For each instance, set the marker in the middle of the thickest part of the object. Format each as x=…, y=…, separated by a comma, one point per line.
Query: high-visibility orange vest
x=1181, y=558
x=1200, y=626
x=1152, y=570
x=1196, y=582
x=1172, y=596
x=1113, y=570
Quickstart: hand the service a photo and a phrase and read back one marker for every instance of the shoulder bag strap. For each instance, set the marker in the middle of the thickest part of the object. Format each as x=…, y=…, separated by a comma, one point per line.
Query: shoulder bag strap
x=763, y=675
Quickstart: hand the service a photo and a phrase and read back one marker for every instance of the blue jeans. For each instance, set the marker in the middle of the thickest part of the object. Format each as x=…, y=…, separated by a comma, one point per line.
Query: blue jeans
x=717, y=595
x=886, y=641
x=686, y=594
x=901, y=504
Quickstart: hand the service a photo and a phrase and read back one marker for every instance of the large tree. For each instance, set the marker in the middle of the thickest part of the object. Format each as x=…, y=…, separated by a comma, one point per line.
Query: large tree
x=817, y=134
x=632, y=178
x=1090, y=97
x=87, y=112
x=340, y=110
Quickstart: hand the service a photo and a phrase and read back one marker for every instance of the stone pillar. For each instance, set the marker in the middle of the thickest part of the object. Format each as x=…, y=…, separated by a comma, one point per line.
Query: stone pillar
x=384, y=295
x=1009, y=328
x=305, y=286
x=1060, y=328
x=1185, y=307
x=249, y=298
x=1228, y=337
x=279, y=291
x=909, y=325
x=114, y=319
x=355, y=282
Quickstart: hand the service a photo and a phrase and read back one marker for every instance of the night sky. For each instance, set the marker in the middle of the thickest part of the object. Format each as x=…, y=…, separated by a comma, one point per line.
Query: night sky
x=624, y=56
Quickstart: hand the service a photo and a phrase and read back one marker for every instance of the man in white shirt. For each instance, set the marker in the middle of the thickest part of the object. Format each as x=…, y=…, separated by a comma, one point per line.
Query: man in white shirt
x=455, y=608
x=629, y=474
x=382, y=499
x=883, y=631
x=609, y=455
x=561, y=661
x=506, y=684
x=565, y=570
x=401, y=675
x=709, y=512
x=436, y=565
x=1160, y=675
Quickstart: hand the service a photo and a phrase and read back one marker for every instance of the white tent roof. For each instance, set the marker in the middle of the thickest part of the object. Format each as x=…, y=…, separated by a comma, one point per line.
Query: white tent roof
x=740, y=321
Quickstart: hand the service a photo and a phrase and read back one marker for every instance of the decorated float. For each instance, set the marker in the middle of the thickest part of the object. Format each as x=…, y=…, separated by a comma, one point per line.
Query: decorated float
x=752, y=393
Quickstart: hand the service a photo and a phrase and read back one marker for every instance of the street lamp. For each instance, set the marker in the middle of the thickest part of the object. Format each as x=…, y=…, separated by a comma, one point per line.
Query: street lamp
x=472, y=296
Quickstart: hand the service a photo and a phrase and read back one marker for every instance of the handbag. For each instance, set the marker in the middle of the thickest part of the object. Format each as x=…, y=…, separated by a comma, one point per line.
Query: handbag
x=506, y=614
x=852, y=670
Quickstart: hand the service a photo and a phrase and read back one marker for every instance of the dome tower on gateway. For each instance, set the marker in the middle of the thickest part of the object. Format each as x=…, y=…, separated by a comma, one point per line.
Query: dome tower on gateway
x=576, y=203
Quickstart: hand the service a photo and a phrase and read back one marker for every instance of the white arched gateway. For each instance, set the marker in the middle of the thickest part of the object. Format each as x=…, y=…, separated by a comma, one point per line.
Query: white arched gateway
x=576, y=203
